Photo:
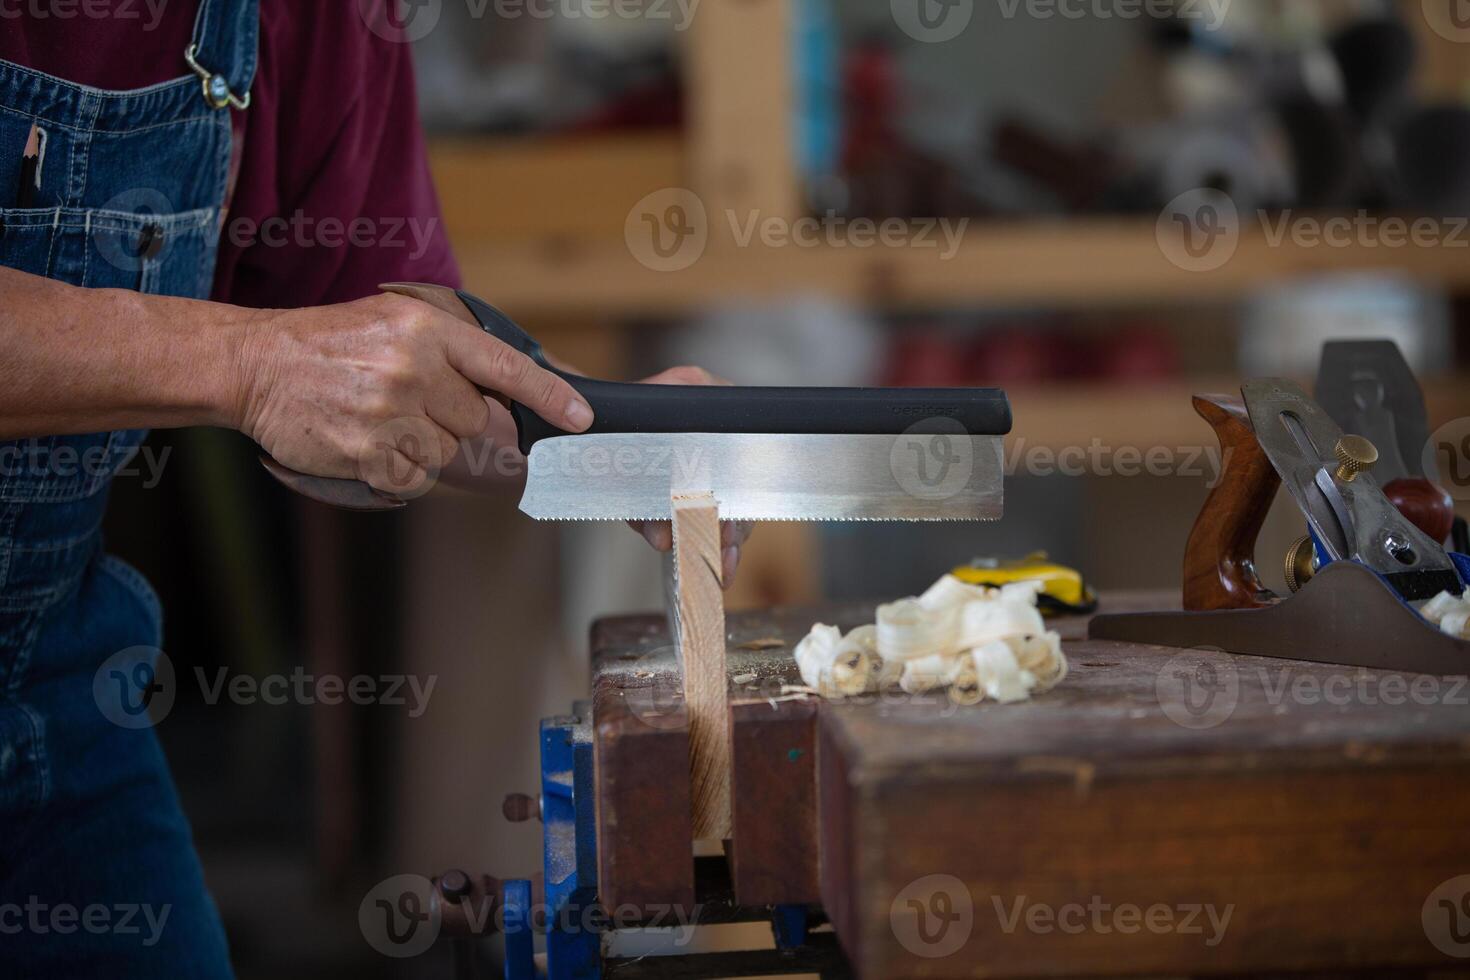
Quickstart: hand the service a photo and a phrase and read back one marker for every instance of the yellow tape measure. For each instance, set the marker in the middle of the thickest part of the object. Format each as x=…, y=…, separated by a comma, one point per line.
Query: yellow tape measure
x=1063, y=591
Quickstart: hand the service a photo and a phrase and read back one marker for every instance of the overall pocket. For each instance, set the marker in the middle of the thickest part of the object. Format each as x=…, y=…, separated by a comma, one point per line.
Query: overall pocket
x=160, y=253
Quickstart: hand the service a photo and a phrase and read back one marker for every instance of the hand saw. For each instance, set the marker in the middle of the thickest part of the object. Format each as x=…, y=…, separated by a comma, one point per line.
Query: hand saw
x=801, y=454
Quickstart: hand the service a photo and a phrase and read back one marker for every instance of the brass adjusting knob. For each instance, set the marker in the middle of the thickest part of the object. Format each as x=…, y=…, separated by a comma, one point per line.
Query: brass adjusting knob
x=1301, y=563
x=1354, y=455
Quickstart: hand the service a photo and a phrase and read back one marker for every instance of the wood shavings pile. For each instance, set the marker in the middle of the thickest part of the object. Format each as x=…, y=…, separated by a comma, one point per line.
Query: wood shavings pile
x=1451, y=613
x=971, y=641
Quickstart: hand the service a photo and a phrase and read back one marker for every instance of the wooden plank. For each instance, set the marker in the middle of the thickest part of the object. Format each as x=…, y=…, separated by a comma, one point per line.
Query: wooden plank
x=700, y=610
x=773, y=788
x=641, y=747
x=740, y=95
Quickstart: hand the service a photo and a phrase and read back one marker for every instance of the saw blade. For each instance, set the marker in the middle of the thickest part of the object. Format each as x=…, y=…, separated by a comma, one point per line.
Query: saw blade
x=916, y=476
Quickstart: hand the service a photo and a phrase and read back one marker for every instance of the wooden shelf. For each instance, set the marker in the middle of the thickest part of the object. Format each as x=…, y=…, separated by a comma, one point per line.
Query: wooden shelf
x=1144, y=415
x=1055, y=265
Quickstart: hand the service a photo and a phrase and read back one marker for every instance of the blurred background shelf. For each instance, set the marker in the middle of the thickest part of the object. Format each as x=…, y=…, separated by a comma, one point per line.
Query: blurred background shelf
x=1057, y=264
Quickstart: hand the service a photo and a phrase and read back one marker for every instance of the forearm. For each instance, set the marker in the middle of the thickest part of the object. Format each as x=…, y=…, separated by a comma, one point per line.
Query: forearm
x=88, y=360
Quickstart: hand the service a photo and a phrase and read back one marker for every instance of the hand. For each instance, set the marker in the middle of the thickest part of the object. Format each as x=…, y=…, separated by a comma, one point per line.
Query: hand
x=660, y=534
x=383, y=389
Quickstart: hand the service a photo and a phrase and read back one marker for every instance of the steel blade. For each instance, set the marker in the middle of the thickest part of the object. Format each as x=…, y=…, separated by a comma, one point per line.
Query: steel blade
x=928, y=476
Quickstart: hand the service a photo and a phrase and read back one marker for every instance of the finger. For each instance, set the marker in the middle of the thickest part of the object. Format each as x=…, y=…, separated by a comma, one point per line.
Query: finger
x=729, y=562
x=497, y=367
x=685, y=375
x=659, y=534
x=735, y=533
x=458, y=406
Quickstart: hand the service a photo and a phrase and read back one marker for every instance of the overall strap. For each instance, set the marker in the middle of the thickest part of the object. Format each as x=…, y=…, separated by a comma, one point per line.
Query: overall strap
x=224, y=50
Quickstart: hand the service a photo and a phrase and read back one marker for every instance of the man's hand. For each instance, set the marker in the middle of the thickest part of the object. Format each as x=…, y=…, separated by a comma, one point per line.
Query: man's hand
x=383, y=389
x=660, y=534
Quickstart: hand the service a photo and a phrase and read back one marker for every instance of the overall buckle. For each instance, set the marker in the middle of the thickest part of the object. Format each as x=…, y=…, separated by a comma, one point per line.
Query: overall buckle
x=216, y=87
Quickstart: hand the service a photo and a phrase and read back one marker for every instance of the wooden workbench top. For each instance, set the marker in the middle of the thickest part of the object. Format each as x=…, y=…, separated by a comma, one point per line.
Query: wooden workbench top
x=1322, y=804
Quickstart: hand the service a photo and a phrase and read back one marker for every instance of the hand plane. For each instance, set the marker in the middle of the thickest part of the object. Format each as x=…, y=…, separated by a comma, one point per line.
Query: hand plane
x=1357, y=576
x=801, y=454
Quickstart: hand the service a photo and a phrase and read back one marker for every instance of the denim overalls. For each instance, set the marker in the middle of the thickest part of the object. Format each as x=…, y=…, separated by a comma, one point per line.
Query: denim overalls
x=98, y=874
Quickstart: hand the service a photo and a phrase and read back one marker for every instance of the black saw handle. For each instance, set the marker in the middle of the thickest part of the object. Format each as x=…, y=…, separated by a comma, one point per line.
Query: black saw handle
x=624, y=407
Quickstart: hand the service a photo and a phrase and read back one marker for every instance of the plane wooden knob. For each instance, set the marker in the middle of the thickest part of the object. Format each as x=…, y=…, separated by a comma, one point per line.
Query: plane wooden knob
x=1354, y=455
x=1428, y=506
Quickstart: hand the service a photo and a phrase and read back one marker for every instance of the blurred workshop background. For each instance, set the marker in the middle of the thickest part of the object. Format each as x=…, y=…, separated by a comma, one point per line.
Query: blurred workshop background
x=1103, y=207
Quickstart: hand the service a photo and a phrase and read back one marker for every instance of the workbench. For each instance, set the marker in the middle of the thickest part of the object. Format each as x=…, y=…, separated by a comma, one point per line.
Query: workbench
x=1161, y=812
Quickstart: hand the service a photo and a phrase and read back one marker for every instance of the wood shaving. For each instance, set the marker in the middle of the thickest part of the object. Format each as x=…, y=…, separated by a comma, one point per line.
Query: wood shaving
x=765, y=643
x=971, y=641
x=1451, y=613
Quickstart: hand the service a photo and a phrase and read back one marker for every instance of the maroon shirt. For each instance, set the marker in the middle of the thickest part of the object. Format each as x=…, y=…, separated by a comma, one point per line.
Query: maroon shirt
x=334, y=194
